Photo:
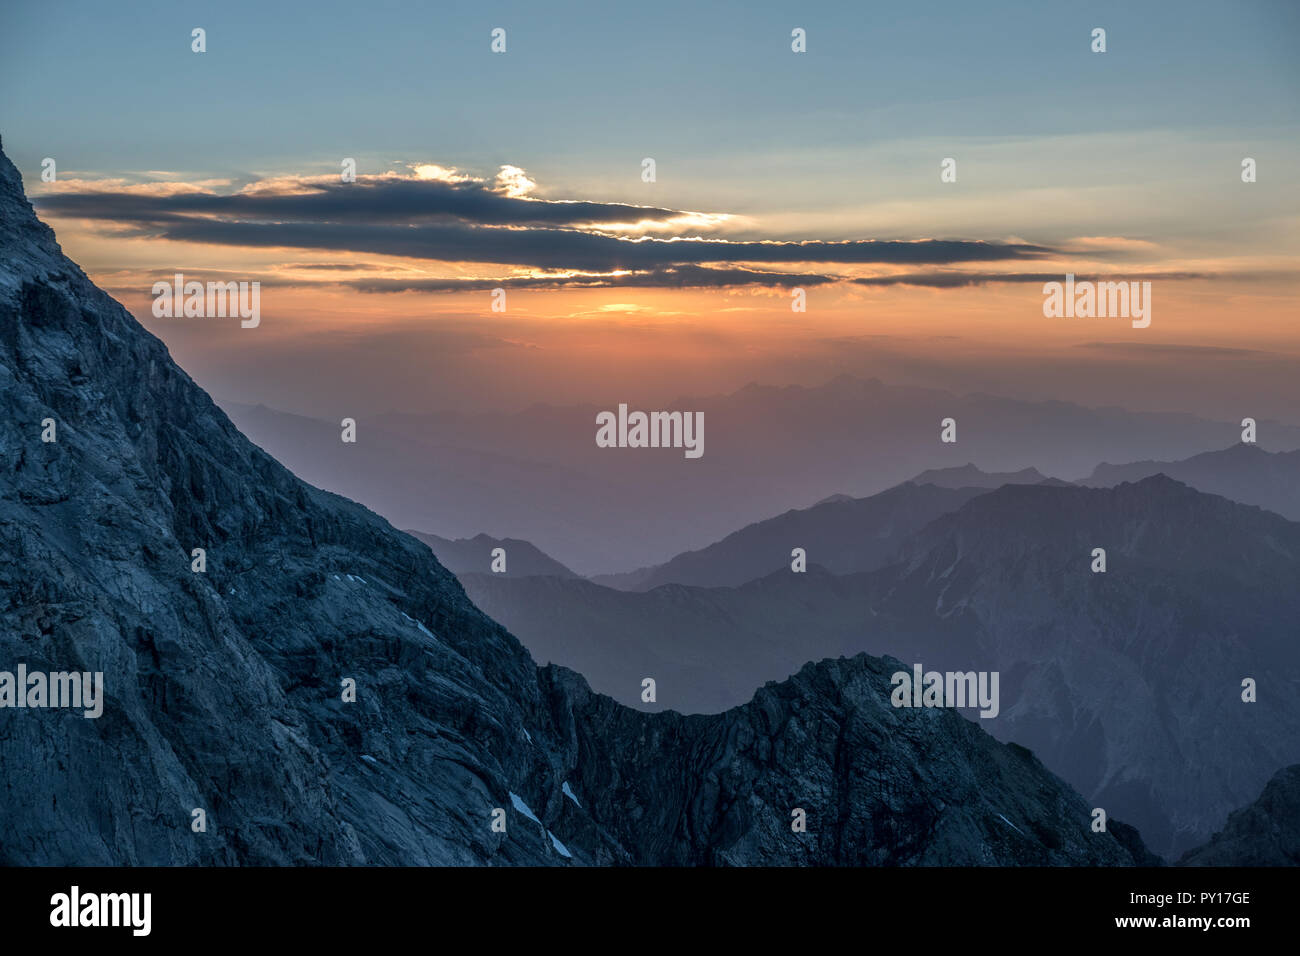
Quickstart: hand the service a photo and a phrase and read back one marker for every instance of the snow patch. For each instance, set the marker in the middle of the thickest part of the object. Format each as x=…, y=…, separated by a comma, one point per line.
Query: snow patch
x=369, y=758
x=560, y=847
x=523, y=807
x=1012, y=825
x=568, y=792
x=422, y=628
x=527, y=734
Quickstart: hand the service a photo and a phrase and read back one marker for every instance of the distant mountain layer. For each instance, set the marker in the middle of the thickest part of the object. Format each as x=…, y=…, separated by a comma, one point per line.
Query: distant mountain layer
x=538, y=474
x=226, y=688
x=417, y=482
x=707, y=648
x=472, y=555
x=1127, y=682
x=1265, y=833
x=842, y=534
x=968, y=476
x=1244, y=472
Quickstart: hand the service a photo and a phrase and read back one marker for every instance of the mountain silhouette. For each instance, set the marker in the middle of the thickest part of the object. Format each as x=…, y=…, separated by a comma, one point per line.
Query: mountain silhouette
x=842, y=534
x=968, y=476
x=1242, y=472
x=471, y=555
x=1127, y=682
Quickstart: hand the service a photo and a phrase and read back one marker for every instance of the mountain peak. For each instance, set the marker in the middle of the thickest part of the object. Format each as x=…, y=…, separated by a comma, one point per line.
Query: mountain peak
x=971, y=476
x=27, y=246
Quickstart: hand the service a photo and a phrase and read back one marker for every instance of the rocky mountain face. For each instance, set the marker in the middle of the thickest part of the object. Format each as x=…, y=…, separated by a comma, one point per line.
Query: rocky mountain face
x=842, y=534
x=522, y=559
x=1265, y=833
x=878, y=783
x=1129, y=682
x=222, y=687
x=1243, y=472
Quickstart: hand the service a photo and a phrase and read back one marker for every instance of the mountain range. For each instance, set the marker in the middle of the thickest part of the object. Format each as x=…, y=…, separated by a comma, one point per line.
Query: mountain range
x=1242, y=472
x=538, y=475
x=1127, y=682
x=842, y=534
x=229, y=605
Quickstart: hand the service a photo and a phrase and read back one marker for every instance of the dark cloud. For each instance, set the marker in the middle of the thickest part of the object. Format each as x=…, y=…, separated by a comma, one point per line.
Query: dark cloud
x=469, y=222
x=958, y=280
x=376, y=201
x=570, y=248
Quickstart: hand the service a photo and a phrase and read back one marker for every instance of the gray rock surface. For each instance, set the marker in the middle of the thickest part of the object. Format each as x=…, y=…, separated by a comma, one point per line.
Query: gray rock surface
x=1264, y=833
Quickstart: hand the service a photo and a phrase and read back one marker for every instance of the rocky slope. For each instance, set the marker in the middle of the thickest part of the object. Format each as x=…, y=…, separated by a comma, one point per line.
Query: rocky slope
x=880, y=785
x=1265, y=833
x=223, y=687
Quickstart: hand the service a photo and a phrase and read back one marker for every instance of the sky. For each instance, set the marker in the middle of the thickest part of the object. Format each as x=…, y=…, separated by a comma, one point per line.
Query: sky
x=774, y=170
